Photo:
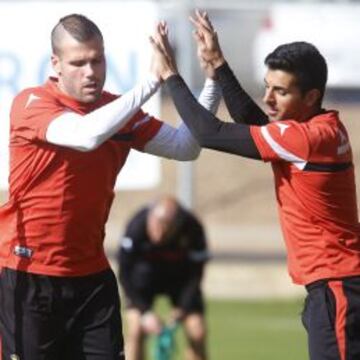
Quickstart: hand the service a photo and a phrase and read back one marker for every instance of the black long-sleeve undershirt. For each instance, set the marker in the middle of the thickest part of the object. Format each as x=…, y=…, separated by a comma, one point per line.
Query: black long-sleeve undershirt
x=209, y=131
x=242, y=108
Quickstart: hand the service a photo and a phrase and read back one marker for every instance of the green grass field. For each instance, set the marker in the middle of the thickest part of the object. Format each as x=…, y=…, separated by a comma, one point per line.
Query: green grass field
x=244, y=330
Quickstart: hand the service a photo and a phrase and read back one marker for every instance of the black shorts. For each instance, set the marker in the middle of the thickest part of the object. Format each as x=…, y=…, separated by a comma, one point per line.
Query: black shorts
x=60, y=318
x=149, y=284
x=331, y=317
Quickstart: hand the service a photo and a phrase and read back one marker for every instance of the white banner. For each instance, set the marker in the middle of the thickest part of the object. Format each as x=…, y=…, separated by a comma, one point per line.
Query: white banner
x=25, y=51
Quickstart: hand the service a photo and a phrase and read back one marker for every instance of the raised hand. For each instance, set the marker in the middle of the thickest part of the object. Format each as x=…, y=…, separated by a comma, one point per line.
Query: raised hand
x=163, y=62
x=206, y=66
x=208, y=47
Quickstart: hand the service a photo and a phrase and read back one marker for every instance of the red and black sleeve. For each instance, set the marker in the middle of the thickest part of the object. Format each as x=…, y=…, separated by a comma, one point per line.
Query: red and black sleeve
x=209, y=131
x=242, y=108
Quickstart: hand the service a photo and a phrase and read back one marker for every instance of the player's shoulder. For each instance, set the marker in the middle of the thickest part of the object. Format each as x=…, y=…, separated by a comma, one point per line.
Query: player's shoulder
x=190, y=220
x=33, y=96
x=31, y=92
x=137, y=222
x=326, y=119
x=284, y=126
x=293, y=130
x=281, y=131
x=26, y=100
x=141, y=214
x=325, y=125
x=326, y=116
x=189, y=215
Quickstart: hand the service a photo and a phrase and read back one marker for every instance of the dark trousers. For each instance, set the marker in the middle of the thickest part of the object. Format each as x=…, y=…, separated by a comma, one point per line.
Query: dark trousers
x=60, y=318
x=331, y=317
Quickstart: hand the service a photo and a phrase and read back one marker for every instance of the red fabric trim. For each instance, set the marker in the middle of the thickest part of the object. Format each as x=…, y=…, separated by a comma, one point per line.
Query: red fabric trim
x=340, y=321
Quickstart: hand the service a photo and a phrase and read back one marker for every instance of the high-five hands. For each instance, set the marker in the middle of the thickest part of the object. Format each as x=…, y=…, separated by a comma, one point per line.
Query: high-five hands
x=163, y=62
x=208, y=47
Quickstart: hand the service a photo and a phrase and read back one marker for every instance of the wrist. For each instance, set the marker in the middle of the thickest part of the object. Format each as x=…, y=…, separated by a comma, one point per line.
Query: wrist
x=218, y=62
x=154, y=80
x=168, y=74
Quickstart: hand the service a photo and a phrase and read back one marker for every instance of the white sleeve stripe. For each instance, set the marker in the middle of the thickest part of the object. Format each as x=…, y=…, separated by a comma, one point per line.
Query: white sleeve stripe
x=279, y=150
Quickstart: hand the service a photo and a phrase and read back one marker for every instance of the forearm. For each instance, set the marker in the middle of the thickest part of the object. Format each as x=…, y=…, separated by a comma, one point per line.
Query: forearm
x=174, y=143
x=241, y=106
x=210, y=95
x=209, y=131
x=178, y=143
x=89, y=131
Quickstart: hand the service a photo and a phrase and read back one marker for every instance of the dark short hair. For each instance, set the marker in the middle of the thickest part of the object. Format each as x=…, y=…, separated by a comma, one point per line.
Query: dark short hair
x=303, y=60
x=78, y=26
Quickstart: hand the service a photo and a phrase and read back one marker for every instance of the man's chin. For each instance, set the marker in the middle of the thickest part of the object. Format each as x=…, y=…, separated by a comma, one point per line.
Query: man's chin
x=275, y=117
x=90, y=98
x=272, y=116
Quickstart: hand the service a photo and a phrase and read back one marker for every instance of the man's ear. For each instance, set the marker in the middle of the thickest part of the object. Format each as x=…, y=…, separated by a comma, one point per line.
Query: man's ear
x=55, y=62
x=312, y=97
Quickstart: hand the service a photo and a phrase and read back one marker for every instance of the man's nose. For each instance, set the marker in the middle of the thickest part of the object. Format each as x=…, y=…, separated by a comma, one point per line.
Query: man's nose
x=268, y=96
x=88, y=70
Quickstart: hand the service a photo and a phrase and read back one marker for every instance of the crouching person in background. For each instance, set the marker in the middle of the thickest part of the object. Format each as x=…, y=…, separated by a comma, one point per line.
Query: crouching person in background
x=163, y=252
